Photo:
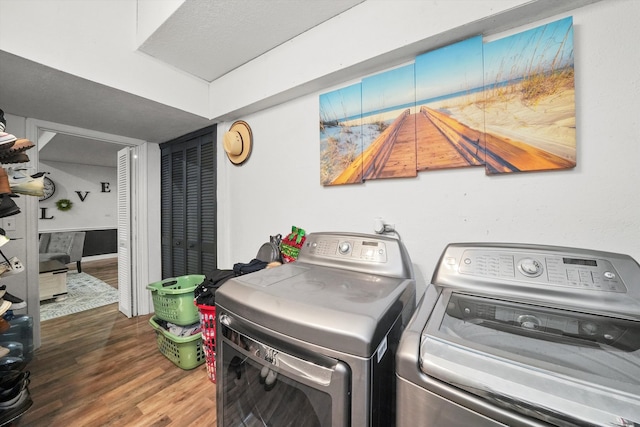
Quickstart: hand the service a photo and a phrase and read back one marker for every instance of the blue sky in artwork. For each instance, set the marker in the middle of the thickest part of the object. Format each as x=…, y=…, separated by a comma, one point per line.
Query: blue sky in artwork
x=540, y=48
x=341, y=103
x=391, y=88
x=451, y=69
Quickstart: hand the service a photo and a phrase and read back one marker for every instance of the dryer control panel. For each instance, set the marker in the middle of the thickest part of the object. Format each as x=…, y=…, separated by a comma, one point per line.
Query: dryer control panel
x=581, y=273
x=363, y=249
x=374, y=254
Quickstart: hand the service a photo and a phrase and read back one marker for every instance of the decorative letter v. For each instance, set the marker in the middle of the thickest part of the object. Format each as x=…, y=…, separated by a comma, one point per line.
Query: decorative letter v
x=79, y=193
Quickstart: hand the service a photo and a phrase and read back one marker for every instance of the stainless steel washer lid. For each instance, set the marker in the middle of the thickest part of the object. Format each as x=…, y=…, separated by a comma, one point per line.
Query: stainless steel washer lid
x=343, y=310
x=545, y=363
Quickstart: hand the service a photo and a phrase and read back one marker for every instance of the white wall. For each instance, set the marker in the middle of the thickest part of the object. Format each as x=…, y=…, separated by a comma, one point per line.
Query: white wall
x=596, y=205
x=98, y=211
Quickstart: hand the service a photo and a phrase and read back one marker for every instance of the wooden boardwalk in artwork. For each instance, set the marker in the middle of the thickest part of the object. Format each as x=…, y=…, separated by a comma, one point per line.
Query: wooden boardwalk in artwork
x=440, y=146
x=433, y=140
x=392, y=154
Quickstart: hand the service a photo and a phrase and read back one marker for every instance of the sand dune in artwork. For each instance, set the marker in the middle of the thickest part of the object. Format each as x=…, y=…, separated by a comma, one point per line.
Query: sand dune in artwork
x=548, y=125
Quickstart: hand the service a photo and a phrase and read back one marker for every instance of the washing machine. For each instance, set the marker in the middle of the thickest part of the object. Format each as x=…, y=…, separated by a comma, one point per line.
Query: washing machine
x=523, y=335
x=312, y=343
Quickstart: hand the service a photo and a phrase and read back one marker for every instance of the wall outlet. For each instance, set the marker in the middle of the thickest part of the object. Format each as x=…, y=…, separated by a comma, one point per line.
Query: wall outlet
x=9, y=224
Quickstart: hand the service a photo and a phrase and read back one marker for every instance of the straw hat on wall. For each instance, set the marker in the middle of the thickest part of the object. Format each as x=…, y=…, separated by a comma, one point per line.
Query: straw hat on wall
x=238, y=142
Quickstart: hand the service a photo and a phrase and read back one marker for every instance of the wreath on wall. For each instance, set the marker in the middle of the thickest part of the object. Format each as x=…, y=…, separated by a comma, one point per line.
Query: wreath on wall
x=64, y=204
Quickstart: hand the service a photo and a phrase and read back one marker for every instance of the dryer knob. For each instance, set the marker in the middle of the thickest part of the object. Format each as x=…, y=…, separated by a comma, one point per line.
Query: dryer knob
x=225, y=320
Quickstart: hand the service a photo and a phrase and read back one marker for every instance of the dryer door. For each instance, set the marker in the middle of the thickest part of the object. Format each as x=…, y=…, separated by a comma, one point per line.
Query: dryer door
x=262, y=385
x=562, y=367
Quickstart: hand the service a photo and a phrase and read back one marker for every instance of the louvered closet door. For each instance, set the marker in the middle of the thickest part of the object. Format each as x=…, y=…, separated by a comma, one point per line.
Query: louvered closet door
x=189, y=205
x=125, y=299
x=208, y=209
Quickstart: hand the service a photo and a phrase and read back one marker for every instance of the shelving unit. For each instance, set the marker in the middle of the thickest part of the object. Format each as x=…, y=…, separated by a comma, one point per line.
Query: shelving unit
x=16, y=330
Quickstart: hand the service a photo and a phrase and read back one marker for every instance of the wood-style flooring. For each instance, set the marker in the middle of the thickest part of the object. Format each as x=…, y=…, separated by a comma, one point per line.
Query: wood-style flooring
x=99, y=368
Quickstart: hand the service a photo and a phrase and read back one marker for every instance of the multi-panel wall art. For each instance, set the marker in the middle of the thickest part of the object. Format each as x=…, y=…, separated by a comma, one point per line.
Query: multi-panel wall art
x=507, y=105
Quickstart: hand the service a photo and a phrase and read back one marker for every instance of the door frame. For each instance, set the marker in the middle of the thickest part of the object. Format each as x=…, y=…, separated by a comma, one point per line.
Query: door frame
x=34, y=129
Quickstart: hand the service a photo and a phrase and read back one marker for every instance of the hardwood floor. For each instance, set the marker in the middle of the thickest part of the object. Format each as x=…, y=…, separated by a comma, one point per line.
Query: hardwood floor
x=104, y=269
x=99, y=368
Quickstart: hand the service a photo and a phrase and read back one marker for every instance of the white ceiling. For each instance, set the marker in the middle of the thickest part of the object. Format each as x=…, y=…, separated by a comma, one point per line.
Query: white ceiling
x=203, y=38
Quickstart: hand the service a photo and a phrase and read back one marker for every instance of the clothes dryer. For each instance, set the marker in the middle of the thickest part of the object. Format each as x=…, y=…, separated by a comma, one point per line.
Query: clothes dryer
x=312, y=343
x=523, y=335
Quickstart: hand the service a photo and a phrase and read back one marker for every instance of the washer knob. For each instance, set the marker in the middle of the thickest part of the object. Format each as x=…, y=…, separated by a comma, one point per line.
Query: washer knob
x=344, y=248
x=530, y=267
x=529, y=321
x=589, y=328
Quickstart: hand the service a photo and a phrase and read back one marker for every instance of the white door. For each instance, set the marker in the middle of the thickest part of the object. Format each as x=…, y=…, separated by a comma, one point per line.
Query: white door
x=125, y=285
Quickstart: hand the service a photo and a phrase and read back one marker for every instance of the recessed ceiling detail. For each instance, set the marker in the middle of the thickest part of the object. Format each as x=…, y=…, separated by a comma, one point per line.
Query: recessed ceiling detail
x=210, y=38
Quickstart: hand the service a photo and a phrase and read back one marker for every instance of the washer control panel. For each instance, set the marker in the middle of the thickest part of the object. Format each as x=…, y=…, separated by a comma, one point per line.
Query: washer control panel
x=552, y=269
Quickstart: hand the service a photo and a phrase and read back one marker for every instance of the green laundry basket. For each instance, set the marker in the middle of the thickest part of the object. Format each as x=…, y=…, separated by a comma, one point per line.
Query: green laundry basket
x=173, y=299
x=185, y=352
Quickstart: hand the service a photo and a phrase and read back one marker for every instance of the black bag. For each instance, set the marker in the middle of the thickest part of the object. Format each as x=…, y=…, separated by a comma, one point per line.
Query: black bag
x=205, y=292
x=270, y=251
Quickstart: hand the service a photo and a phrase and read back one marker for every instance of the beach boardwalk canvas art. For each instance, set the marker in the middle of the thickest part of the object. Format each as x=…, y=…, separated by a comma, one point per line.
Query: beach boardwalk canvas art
x=450, y=120
x=507, y=105
x=341, y=136
x=529, y=100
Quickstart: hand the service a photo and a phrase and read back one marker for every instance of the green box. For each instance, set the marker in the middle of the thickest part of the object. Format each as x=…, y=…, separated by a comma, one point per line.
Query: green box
x=173, y=299
x=186, y=352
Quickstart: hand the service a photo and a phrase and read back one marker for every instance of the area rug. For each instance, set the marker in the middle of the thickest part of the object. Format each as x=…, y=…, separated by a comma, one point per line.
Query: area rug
x=84, y=292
